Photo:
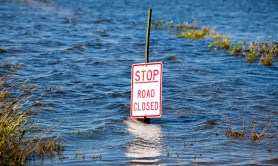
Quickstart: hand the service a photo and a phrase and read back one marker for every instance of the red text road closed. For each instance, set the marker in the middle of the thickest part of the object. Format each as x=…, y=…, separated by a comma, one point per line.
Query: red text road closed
x=146, y=90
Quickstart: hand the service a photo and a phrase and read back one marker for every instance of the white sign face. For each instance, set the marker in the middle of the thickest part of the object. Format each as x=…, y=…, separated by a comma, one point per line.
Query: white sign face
x=146, y=90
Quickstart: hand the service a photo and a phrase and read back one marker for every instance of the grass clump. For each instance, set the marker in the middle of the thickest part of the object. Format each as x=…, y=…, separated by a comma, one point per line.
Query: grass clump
x=268, y=53
x=235, y=50
x=220, y=41
x=18, y=143
x=185, y=30
x=264, y=52
x=156, y=24
x=162, y=24
x=266, y=59
x=233, y=133
x=186, y=25
x=252, y=55
x=170, y=24
x=253, y=135
x=194, y=33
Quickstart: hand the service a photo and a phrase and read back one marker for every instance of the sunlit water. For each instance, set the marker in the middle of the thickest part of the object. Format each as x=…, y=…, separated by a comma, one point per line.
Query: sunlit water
x=87, y=49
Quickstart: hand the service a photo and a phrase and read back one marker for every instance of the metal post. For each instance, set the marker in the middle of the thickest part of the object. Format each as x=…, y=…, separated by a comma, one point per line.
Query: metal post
x=147, y=120
x=148, y=36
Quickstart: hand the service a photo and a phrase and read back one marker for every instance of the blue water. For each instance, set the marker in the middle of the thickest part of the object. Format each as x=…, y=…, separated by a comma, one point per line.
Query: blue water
x=87, y=48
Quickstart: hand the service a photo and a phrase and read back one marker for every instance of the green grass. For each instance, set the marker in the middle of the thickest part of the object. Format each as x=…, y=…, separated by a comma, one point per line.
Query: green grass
x=235, y=50
x=194, y=34
x=266, y=59
x=265, y=53
x=220, y=41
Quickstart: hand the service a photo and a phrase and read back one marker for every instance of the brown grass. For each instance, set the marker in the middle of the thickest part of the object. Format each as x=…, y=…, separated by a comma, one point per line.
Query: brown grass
x=17, y=141
x=253, y=135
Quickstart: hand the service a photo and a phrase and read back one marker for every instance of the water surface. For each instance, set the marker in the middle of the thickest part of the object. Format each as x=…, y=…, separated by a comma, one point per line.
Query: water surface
x=88, y=47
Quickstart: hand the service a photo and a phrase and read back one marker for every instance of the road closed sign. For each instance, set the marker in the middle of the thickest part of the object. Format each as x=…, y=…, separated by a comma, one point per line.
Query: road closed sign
x=146, y=90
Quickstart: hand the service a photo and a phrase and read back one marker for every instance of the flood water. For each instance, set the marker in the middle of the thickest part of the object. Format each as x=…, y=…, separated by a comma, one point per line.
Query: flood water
x=87, y=48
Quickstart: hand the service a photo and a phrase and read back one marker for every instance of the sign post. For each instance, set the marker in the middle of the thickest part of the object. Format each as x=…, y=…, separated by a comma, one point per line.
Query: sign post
x=146, y=82
x=148, y=36
x=147, y=120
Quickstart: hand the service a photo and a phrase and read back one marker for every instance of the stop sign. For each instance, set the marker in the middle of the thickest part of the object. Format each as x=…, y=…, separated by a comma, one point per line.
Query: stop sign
x=146, y=90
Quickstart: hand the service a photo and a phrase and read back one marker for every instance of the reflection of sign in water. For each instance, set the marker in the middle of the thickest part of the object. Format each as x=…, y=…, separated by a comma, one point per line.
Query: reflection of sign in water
x=147, y=143
x=146, y=91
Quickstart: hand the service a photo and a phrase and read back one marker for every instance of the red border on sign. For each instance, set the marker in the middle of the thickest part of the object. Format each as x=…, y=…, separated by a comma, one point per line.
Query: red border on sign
x=131, y=99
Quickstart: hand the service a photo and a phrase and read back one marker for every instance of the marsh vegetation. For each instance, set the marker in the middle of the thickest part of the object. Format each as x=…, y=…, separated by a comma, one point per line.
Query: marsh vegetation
x=253, y=131
x=20, y=137
x=252, y=52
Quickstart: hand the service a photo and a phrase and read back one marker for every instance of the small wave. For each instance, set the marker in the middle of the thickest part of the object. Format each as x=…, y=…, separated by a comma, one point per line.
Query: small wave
x=77, y=47
x=99, y=21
